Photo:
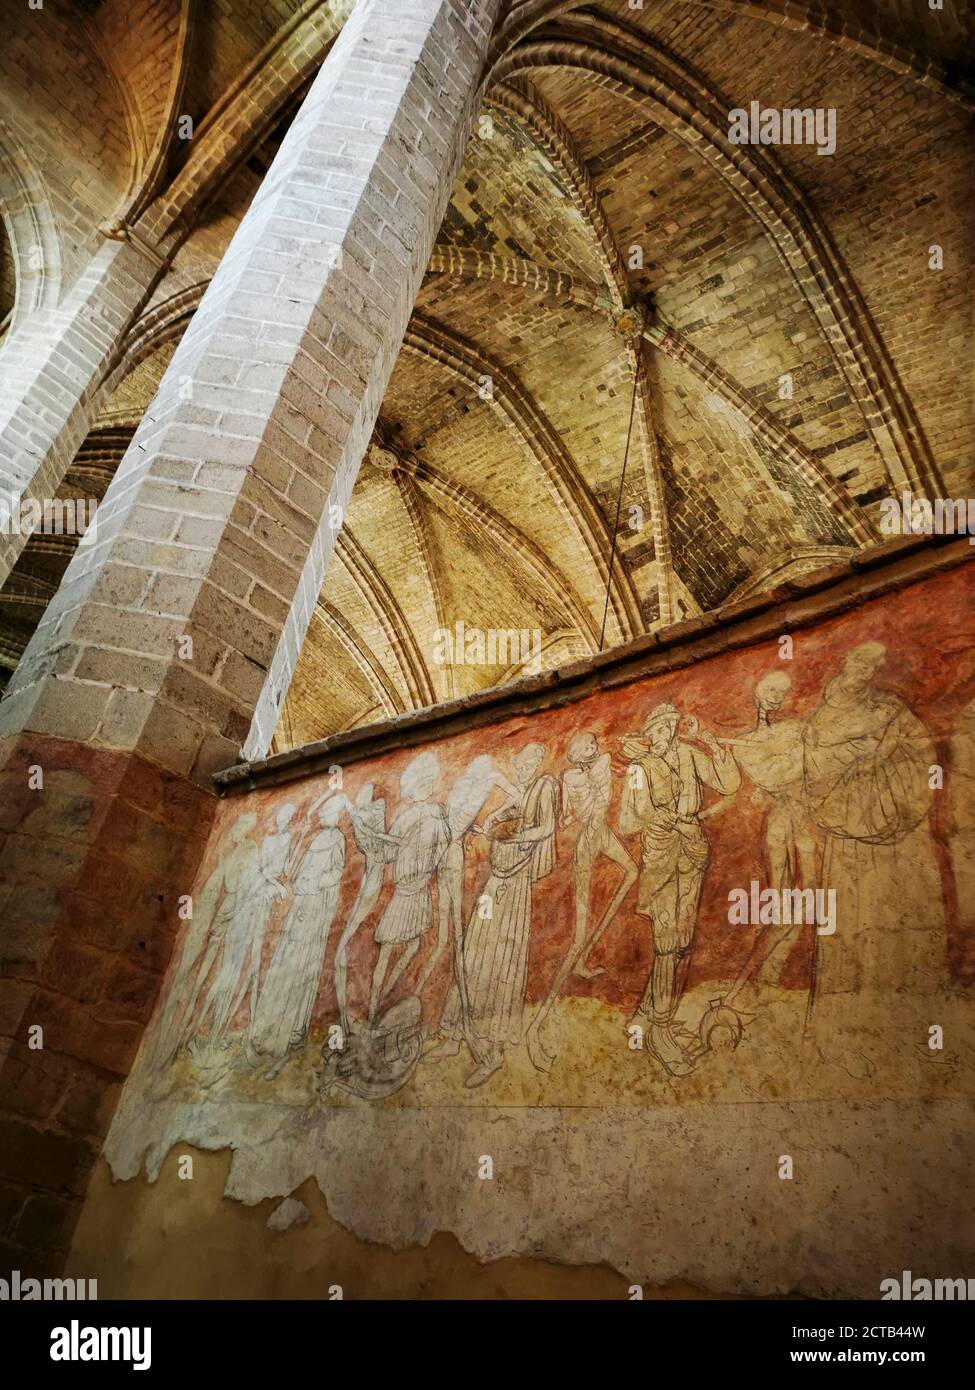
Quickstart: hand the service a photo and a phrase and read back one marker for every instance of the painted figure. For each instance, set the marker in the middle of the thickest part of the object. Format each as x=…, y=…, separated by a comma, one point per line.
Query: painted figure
x=961, y=815
x=663, y=801
x=868, y=763
x=586, y=791
x=496, y=943
x=214, y=909
x=234, y=948
x=771, y=755
x=240, y=972
x=368, y=819
x=465, y=801
x=290, y=988
x=420, y=833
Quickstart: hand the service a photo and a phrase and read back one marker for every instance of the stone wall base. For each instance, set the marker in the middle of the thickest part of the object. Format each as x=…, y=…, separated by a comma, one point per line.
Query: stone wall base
x=96, y=848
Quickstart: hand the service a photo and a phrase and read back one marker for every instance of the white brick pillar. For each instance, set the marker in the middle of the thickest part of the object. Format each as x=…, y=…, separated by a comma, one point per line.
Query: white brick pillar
x=220, y=521
x=51, y=372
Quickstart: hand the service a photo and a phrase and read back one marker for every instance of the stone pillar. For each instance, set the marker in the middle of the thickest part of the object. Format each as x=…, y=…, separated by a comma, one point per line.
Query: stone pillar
x=52, y=370
x=217, y=528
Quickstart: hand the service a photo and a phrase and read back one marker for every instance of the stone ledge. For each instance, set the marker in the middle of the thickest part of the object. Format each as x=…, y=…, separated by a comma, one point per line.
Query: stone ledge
x=800, y=603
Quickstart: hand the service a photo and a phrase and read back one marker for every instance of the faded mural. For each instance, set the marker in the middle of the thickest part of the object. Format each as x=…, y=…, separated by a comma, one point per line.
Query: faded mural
x=745, y=881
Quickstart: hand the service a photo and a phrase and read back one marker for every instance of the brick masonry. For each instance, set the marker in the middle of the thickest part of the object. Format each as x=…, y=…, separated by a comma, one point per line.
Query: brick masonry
x=215, y=526
x=788, y=607
x=220, y=521
x=92, y=864
x=531, y=269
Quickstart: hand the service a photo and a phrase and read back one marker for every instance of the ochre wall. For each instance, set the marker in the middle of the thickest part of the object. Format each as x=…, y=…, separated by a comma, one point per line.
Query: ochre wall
x=211, y=1248
x=611, y=1162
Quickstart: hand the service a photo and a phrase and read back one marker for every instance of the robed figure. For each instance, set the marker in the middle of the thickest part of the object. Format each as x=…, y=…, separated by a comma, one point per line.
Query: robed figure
x=497, y=938
x=868, y=762
x=287, y=997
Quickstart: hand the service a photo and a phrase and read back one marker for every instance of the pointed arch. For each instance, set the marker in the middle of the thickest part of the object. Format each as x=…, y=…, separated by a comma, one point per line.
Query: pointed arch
x=426, y=549
x=31, y=230
x=811, y=469
x=364, y=658
x=624, y=61
x=525, y=418
x=389, y=615
x=459, y=502
x=834, y=25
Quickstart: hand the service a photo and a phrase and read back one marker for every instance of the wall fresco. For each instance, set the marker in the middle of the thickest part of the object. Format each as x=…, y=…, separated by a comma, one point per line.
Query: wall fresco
x=745, y=882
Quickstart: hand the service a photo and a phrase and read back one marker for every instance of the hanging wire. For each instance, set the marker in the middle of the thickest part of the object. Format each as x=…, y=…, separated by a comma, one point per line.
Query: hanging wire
x=619, y=498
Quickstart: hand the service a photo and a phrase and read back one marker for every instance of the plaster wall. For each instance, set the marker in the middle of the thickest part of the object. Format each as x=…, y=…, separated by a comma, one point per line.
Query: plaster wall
x=585, y=1140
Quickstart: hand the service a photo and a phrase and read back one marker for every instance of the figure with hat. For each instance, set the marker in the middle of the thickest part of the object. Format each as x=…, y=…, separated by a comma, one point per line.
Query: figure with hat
x=663, y=801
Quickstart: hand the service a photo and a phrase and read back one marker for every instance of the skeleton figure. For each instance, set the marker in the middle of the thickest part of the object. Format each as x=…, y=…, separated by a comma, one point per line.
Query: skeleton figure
x=586, y=791
x=368, y=817
x=420, y=835
x=663, y=800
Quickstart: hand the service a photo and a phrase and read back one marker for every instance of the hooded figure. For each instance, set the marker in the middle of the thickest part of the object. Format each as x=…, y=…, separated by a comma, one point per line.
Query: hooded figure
x=867, y=769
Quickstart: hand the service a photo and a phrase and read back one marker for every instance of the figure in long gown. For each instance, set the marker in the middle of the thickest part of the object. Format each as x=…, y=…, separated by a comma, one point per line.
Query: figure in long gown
x=496, y=943
x=771, y=755
x=368, y=818
x=288, y=995
x=238, y=976
x=225, y=913
x=867, y=772
x=420, y=834
x=465, y=802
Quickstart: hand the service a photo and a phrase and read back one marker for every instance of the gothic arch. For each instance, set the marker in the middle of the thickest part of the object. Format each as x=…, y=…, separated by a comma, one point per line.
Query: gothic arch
x=364, y=657
x=832, y=24
x=644, y=72
x=31, y=230
x=525, y=418
x=458, y=501
x=389, y=615
x=248, y=112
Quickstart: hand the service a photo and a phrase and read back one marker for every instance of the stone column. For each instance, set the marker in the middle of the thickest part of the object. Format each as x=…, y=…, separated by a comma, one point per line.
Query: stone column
x=217, y=528
x=52, y=370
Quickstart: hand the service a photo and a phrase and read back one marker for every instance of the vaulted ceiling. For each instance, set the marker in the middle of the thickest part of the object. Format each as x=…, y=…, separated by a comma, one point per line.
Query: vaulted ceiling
x=649, y=371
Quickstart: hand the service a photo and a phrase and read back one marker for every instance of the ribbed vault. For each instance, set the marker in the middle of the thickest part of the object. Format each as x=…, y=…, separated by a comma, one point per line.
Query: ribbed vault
x=610, y=269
